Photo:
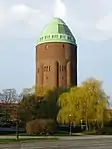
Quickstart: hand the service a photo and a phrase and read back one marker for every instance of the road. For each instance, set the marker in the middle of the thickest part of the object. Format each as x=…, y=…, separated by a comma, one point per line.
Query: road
x=67, y=143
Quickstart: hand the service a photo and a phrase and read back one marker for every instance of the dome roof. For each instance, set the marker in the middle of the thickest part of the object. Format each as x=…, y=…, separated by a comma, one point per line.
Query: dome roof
x=56, y=31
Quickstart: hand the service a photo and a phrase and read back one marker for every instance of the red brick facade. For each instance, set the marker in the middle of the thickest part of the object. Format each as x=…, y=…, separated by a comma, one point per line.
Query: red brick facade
x=56, y=65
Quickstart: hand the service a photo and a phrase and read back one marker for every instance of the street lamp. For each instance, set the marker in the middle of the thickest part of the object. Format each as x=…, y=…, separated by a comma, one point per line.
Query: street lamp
x=70, y=124
x=81, y=125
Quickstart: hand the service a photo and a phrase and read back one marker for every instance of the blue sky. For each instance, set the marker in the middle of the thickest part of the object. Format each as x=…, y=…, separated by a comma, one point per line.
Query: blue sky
x=21, y=22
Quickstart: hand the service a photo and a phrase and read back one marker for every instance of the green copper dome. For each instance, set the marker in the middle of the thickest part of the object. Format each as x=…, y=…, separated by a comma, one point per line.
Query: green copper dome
x=56, y=31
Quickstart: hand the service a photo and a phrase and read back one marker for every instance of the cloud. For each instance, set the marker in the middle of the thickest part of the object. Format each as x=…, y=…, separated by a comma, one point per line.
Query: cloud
x=23, y=12
x=91, y=20
x=86, y=19
x=105, y=24
x=19, y=19
x=3, y=17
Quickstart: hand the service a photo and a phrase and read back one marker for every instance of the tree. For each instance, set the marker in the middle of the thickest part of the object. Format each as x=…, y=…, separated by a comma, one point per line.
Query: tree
x=9, y=101
x=96, y=96
x=27, y=91
x=28, y=108
x=69, y=104
x=49, y=107
x=86, y=102
x=9, y=106
x=42, y=106
x=41, y=91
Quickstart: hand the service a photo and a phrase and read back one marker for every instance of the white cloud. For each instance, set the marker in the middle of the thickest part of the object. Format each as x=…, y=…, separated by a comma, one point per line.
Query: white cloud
x=23, y=12
x=87, y=19
x=91, y=20
x=105, y=24
x=19, y=19
x=3, y=17
x=19, y=12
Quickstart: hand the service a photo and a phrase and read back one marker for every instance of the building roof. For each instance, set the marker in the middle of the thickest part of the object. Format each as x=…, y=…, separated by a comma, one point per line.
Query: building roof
x=56, y=31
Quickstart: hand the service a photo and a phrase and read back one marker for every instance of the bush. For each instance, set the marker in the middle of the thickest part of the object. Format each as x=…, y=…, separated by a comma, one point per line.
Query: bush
x=41, y=126
x=104, y=131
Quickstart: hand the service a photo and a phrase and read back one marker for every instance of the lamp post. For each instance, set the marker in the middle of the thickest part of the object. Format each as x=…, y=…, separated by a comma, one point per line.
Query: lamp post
x=81, y=125
x=17, y=126
x=70, y=124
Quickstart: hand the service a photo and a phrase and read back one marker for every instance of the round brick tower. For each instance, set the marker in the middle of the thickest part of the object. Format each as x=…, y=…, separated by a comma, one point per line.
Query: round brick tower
x=56, y=56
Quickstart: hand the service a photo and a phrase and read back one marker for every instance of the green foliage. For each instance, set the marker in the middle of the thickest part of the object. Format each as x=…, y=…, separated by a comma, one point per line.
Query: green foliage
x=85, y=103
x=33, y=106
x=41, y=91
x=50, y=105
x=28, y=108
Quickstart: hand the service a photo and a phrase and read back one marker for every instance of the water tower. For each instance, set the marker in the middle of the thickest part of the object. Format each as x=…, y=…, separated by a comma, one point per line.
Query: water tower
x=56, y=56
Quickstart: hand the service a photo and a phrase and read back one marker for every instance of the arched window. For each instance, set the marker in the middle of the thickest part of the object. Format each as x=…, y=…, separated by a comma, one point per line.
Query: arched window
x=49, y=68
x=62, y=68
x=44, y=68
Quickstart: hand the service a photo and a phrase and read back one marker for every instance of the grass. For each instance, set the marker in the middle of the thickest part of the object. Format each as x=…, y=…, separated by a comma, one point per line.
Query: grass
x=61, y=133
x=89, y=132
x=26, y=140
x=42, y=135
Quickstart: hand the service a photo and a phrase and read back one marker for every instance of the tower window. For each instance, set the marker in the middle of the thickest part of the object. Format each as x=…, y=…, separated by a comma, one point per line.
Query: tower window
x=62, y=68
x=69, y=38
x=64, y=37
x=46, y=47
x=38, y=70
x=54, y=36
x=48, y=36
x=44, y=68
x=49, y=68
x=61, y=36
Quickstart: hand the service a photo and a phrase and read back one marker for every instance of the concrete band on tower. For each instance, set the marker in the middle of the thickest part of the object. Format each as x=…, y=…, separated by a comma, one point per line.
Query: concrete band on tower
x=56, y=56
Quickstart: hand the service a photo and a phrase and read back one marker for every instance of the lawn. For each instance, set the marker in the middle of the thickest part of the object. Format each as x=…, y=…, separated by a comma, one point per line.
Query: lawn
x=25, y=140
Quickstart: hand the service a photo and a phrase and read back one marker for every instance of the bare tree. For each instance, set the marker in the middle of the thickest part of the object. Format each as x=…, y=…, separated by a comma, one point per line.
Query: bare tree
x=9, y=103
x=28, y=91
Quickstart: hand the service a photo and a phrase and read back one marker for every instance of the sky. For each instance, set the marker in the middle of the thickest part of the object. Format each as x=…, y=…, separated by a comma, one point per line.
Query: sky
x=21, y=22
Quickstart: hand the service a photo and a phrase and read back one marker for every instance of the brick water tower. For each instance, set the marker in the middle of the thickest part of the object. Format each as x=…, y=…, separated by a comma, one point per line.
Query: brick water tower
x=56, y=56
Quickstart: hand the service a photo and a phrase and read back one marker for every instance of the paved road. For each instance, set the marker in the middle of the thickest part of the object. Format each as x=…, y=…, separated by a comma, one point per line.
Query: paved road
x=70, y=143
